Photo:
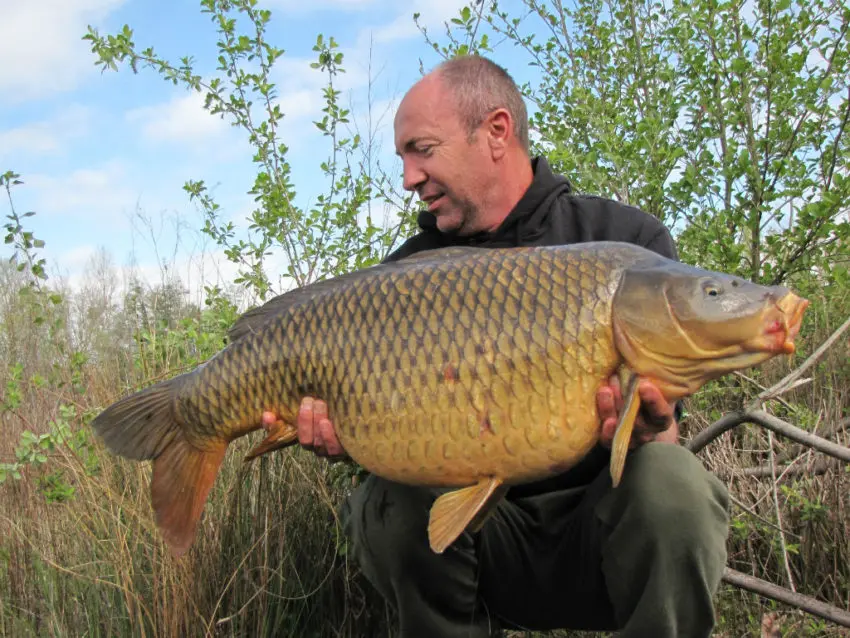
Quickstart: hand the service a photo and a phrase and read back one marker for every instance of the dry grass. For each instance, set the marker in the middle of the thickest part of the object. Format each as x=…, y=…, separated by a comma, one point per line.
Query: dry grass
x=269, y=559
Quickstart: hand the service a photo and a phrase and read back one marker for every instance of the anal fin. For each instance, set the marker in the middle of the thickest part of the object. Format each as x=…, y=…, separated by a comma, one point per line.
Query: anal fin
x=623, y=433
x=455, y=511
x=488, y=508
x=182, y=478
x=280, y=435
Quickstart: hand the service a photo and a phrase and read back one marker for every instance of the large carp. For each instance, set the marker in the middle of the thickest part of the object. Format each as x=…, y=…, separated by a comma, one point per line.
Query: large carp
x=468, y=368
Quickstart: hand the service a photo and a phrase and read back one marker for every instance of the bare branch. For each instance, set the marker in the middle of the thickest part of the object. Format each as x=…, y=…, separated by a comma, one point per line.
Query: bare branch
x=839, y=426
x=835, y=144
x=821, y=466
x=782, y=401
x=762, y=418
x=778, y=512
x=755, y=514
x=775, y=592
x=722, y=425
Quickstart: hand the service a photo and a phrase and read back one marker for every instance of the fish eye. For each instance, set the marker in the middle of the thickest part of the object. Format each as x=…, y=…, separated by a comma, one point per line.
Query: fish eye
x=712, y=289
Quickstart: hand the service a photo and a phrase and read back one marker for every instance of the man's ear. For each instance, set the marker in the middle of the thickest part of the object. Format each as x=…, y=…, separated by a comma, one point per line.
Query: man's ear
x=500, y=129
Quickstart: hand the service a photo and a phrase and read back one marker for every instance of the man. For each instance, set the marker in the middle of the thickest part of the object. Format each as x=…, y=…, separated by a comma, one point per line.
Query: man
x=570, y=551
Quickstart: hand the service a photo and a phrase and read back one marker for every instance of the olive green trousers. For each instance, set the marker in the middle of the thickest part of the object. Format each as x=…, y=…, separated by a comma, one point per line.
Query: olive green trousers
x=645, y=558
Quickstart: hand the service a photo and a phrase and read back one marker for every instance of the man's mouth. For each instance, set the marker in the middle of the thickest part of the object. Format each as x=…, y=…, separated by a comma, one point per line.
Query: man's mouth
x=433, y=200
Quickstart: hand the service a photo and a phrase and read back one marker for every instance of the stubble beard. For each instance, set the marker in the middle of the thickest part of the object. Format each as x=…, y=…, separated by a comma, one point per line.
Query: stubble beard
x=468, y=216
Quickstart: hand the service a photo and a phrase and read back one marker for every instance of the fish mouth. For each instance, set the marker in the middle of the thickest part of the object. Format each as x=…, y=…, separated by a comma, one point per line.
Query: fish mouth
x=781, y=326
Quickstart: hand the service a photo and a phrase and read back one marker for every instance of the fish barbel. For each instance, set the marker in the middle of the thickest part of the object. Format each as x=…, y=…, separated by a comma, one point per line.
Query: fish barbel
x=467, y=368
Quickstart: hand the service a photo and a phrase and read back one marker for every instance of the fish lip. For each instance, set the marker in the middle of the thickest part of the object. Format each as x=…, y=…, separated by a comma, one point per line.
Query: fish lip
x=794, y=308
x=782, y=324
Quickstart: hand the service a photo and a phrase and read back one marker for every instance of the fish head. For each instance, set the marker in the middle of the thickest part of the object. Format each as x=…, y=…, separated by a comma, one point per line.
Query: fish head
x=682, y=326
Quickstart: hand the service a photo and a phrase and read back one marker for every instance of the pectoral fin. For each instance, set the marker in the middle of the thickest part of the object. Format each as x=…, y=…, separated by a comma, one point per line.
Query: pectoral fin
x=280, y=435
x=623, y=434
x=458, y=510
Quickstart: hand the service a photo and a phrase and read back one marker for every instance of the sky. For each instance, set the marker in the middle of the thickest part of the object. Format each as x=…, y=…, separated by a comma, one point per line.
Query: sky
x=104, y=155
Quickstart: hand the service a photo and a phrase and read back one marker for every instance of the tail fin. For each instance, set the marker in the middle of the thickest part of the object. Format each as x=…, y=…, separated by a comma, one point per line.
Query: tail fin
x=141, y=425
x=144, y=426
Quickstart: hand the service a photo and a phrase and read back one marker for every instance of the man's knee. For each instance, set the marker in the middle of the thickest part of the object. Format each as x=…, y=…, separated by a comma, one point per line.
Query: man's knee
x=667, y=494
x=386, y=523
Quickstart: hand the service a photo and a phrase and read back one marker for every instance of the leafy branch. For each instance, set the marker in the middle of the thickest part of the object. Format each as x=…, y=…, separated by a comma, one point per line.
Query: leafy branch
x=328, y=238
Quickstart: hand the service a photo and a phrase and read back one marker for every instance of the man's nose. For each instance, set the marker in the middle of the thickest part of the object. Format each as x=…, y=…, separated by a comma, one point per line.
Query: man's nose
x=413, y=175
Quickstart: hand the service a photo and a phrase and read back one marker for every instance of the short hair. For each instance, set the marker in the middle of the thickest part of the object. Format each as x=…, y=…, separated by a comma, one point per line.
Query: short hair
x=481, y=86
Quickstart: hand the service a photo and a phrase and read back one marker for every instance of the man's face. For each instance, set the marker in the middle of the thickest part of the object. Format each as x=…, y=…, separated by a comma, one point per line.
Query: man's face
x=448, y=171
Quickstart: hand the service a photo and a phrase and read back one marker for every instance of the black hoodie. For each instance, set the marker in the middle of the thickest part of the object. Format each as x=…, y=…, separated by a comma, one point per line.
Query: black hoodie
x=548, y=214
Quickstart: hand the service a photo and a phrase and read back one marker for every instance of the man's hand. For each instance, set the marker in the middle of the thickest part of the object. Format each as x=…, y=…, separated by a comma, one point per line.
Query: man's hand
x=315, y=430
x=654, y=422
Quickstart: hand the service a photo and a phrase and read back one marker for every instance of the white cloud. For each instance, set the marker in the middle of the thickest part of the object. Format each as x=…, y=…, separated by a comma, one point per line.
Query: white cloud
x=41, y=45
x=299, y=6
x=293, y=75
x=180, y=120
x=432, y=14
x=101, y=192
x=77, y=259
x=302, y=103
x=195, y=270
x=46, y=136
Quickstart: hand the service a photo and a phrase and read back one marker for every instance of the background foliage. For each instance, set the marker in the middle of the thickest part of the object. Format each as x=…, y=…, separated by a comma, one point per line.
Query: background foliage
x=727, y=120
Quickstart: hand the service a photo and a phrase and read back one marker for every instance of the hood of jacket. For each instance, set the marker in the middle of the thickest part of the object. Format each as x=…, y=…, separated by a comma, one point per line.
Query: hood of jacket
x=528, y=221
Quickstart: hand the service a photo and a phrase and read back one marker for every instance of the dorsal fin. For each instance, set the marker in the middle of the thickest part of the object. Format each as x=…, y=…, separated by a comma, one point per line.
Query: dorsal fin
x=251, y=321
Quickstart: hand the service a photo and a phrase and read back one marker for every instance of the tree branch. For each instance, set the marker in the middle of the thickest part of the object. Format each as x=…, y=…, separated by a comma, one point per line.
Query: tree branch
x=725, y=423
x=756, y=515
x=778, y=511
x=821, y=466
x=775, y=592
x=762, y=418
x=835, y=143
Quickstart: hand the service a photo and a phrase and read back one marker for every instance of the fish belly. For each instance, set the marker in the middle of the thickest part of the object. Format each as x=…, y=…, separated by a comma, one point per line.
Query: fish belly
x=479, y=368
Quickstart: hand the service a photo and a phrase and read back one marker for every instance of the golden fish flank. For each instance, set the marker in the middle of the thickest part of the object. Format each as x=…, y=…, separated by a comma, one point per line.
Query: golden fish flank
x=468, y=368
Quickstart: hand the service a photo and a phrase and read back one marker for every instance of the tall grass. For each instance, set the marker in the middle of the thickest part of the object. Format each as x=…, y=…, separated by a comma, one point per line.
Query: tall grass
x=80, y=554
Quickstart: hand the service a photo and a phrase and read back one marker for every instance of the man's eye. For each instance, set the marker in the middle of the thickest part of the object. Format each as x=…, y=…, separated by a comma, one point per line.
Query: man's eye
x=425, y=150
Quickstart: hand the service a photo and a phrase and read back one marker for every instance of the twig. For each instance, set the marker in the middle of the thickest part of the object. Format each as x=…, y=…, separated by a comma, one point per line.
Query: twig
x=775, y=592
x=762, y=471
x=794, y=433
x=778, y=513
x=725, y=423
x=755, y=514
x=839, y=426
x=760, y=417
x=793, y=452
x=785, y=384
x=761, y=387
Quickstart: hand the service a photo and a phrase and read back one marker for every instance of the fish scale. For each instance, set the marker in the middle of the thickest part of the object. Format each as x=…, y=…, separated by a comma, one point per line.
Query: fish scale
x=479, y=333
x=468, y=368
